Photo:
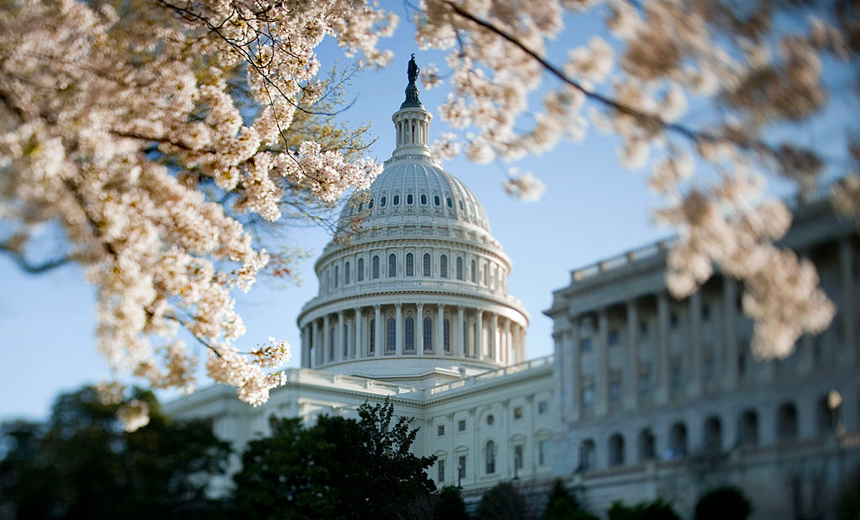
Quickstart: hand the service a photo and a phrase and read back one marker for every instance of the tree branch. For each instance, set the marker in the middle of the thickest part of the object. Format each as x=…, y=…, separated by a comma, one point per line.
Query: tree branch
x=29, y=268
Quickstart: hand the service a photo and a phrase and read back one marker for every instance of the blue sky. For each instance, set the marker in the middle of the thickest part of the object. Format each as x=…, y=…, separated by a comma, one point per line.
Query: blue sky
x=592, y=209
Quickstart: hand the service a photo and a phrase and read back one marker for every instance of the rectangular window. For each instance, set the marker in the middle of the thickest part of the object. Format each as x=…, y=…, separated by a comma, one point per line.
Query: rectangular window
x=615, y=391
x=585, y=345
x=360, y=272
x=543, y=453
x=428, y=334
x=543, y=407
x=446, y=335
x=614, y=337
x=587, y=397
x=461, y=425
x=461, y=466
x=440, y=430
x=441, y=468
x=518, y=412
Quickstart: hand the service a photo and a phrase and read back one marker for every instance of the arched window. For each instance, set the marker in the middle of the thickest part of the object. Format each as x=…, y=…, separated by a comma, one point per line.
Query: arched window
x=375, y=267
x=461, y=206
x=490, y=458
x=423, y=199
x=436, y=200
x=332, y=343
x=360, y=274
x=647, y=450
x=370, y=204
x=446, y=334
x=428, y=334
x=487, y=274
x=428, y=265
x=409, y=334
x=344, y=333
x=677, y=441
x=372, y=346
x=786, y=422
x=382, y=202
x=474, y=272
x=346, y=273
x=392, y=265
x=409, y=199
x=450, y=202
x=616, y=450
x=713, y=435
x=396, y=200
x=748, y=429
x=587, y=455
x=443, y=266
x=336, y=273
x=391, y=335
x=460, y=268
x=410, y=267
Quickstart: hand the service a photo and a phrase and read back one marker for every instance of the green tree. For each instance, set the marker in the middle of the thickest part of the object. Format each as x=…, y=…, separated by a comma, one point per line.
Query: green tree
x=450, y=505
x=562, y=506
x=502, y=502
x=723, y=503
x=81, y=464
x=656, y=510
x=339, y=468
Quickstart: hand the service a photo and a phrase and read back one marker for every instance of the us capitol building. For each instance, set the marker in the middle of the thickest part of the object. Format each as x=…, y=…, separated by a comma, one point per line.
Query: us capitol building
x=645, y=396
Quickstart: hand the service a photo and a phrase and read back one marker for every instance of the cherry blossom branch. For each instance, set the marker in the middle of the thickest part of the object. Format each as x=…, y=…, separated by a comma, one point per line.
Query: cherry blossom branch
x=22, y=262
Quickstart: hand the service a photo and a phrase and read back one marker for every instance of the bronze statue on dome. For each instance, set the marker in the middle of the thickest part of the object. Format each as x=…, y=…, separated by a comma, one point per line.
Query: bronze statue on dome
x=412, y=70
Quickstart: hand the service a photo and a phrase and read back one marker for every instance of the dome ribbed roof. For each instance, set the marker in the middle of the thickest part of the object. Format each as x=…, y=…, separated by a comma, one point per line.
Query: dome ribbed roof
x=413, y=188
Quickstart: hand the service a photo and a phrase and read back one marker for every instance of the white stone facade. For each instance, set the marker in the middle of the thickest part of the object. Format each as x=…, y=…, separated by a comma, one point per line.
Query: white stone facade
x=658, y=397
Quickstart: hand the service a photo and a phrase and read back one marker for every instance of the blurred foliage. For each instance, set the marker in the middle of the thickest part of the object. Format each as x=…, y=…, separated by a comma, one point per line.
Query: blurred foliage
x=656, y=510
x=81, y=464
x=502, y=502
x=562, y=506
x=722, y=503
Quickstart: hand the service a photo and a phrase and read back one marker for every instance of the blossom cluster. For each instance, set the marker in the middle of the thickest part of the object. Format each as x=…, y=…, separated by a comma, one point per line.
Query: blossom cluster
x=122, y=124
x=748, y=69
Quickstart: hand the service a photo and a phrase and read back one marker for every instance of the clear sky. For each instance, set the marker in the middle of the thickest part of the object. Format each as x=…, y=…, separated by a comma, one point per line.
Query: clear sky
x=592, y=209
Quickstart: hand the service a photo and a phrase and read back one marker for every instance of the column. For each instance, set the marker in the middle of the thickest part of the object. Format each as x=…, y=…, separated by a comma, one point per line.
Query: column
x=479, y=335
x=326, y=339
x=631, y=398
x=494, y=337
x=510, y=358
x=319, y=355
x=574, y=374
x=459, y=335
x=730, y=326
x=398, y=336
x=305, y=347
x=848, y=348
x=560, y=374
x=662, y=394
x=419, y=330
x=601, y=401
x=359, y=343
x=378, y=343
x=439, y=347
x=476, y=450
x=695, y=386
x=339, y=338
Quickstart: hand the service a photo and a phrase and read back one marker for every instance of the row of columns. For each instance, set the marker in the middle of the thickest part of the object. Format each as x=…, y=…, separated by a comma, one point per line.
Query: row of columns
x=502, y=343
x=567, y=337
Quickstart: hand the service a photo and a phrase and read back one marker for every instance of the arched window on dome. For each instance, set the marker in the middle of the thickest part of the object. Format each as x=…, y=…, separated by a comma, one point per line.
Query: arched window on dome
x=410, y=265
x=336, y=273
x=409, y=199
x=375, y=267
x=382, y=202
x=359, y=275
x=490, y=458
x=370, y=204
x=391, y=335
x=423, y=198
x=346, y=277
x=443, y=266
x=372, y=346
x=428, y=334
x=409, y=334
x=460, y=275
x=446, y=334
x=360, y=206
x=474, y=272
x=436, y=200
x=450, y=202
x=462, y=208
x=487, y=274
x=392, y=265
x=396, y=200
x=428, y=265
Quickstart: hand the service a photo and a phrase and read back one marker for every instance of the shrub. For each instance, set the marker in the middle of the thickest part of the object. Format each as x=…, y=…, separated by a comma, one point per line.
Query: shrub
x=723, y=503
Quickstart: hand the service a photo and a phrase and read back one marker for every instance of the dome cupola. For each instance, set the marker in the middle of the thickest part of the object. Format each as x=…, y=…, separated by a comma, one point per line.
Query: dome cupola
x=413, y=287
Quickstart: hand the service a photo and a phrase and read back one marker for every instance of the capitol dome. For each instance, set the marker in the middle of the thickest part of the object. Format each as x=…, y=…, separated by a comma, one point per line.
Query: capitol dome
x=413, y=287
